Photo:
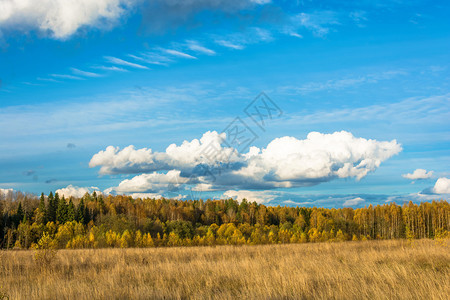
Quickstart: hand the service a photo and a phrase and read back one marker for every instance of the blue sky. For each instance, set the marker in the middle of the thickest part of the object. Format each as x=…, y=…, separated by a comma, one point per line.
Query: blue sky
x=371, y=78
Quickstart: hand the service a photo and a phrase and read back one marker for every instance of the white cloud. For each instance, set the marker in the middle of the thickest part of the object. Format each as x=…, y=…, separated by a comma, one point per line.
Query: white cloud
x=110, y=68
x=153, y=182
x=229, y=44
x=84, y=73
x=188, y=155
x=418, y=174
x=5, y=192
x=359, y=17
x=320, y=157
x=146, y=195
x=353, y=202
x=150, y=58
x=195, y=46
x=65, y=76
x=122, y=62
x=251, y=196
x=76, y=191
x=319, y=23
x=179, y=53
x=295, y=34
x=238, y=41
x=61, y=18
x=285, y=162
x=442, y=186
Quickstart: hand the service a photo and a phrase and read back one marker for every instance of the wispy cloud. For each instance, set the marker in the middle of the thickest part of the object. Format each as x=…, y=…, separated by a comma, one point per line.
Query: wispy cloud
x=319, y=23
x=229, y=44
x=122, y=62
x=84, y=73
x=151, y=59
x=47, y=79
x=30, y=83
x=178, y=53
x=65, y=76
x=429, y=111
x=295, y=34
x=342, y=83
x=195, y=46
x=238, y=41
x=110, y=68
x=359, y=17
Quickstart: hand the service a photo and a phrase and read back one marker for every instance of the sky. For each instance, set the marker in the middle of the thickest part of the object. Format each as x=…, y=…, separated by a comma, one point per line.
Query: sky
x=309, y=103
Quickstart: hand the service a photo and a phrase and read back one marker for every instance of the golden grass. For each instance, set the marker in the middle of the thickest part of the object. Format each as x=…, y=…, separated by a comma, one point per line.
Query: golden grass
x=350, y=270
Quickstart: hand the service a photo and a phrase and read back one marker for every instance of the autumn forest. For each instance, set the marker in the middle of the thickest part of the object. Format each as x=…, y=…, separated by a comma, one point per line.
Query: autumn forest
x=98, y=221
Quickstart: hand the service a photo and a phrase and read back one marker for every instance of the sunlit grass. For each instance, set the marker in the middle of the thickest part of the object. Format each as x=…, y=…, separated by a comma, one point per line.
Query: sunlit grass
x=350, y=270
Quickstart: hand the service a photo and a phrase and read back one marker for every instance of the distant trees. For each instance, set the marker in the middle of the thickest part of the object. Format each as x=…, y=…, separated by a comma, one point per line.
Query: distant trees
x=121, y=221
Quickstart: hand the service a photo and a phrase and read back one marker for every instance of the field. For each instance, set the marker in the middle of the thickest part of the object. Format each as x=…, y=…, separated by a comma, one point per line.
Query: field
x=350, y=270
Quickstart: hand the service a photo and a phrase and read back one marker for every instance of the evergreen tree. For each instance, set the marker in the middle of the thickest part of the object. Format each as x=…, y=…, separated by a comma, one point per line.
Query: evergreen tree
x=82, y=214
x=71, y=211
x=79, y=214
x=102, y=206
x=41, y=207
x=61, y=211
x=42, y=203
x=19, y=214
x=51, y=207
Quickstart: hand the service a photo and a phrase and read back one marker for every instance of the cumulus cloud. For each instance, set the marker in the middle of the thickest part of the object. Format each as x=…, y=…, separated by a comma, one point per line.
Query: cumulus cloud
x=353, y=202
x=76, y=191
x=418, y=174
x=186, y=156
x=320, y=157
x=442, y=186
x=286, y=162
x=61, y=18
x=153, y=182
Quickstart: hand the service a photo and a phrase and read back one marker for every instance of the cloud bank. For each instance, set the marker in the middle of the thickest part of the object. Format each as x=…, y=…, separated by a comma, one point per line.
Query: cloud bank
x=285, y=162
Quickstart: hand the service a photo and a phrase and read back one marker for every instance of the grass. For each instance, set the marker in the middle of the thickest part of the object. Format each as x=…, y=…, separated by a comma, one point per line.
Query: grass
x=350, y=270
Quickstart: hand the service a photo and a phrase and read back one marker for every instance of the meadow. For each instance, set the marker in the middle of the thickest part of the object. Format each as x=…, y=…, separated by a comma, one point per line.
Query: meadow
x=390, y=269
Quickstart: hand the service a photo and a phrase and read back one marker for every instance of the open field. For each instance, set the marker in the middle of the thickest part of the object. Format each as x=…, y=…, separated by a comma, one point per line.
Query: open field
x=349, y=270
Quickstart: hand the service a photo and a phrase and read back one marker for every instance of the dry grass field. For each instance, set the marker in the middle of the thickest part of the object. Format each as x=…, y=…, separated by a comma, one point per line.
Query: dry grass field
x=350, y=270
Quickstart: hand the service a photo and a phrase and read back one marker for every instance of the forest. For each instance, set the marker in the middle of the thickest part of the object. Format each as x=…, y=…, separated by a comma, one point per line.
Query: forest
x=99, y=221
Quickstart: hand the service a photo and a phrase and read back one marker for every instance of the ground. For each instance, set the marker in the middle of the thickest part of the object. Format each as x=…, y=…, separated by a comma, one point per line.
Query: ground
x=348, y=270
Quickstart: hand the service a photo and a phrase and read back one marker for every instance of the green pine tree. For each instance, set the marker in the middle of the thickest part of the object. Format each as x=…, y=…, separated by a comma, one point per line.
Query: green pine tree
x=61, y=211
x=41, y=212
x=20, y=214
x=71, y=211
x=51, y=207
x=80, y=214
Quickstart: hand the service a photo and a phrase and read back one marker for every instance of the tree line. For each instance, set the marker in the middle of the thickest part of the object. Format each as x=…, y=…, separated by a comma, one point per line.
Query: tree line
x=97, y=221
